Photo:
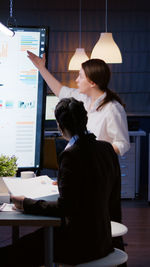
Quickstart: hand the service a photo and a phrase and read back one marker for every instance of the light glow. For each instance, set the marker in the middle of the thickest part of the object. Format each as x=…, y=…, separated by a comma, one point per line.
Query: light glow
x=77, y=59
x=106, y=49
x=6, y=30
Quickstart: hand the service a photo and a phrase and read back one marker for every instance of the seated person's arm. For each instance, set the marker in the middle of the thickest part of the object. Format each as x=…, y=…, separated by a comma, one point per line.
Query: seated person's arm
x=66, y=202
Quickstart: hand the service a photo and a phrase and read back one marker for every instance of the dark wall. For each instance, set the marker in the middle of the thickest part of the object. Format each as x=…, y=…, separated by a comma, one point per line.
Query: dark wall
x=129, y=21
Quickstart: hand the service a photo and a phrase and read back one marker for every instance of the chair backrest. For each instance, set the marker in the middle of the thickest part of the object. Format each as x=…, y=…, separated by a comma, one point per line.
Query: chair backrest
x=49, y=154
x=118, y=229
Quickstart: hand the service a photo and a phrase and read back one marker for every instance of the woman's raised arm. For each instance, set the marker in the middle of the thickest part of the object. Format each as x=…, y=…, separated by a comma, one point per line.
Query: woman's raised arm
x=39, y=63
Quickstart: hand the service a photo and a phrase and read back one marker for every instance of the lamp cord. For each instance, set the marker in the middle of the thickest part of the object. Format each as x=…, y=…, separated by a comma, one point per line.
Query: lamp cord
x=106, y=17
x=11, y=8
x=79, y=23
x=11, y=20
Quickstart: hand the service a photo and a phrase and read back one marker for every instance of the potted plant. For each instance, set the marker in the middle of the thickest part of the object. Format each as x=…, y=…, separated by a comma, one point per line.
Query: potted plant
x=8, y=166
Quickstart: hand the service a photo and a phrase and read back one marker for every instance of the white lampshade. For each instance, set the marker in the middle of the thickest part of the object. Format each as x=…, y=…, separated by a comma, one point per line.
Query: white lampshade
x=106, y=49
x=77, y=59
x=6, y=30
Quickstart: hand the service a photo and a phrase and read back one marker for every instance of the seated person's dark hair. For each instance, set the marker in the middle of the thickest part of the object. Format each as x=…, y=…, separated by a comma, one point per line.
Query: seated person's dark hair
x=71, y=115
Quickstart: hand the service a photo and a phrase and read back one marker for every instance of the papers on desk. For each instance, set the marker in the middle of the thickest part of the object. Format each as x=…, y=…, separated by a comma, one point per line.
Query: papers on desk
x=40, y=187
x=4, y=194
x=7, y=207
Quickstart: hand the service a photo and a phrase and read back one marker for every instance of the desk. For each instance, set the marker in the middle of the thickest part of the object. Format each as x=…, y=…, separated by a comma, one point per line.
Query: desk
x=16, y=219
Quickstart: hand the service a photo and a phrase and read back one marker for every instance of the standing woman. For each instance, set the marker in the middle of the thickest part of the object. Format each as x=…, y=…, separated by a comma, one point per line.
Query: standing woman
x=106, y=114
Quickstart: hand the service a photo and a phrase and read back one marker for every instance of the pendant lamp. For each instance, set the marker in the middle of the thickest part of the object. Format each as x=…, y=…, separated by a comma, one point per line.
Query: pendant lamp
x=79, y=56
x=106, y=48
x=4, y=29
x=10, y=22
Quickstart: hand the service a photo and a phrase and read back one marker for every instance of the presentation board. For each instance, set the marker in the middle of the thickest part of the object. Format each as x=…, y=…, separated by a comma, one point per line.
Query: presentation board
x=21, y=96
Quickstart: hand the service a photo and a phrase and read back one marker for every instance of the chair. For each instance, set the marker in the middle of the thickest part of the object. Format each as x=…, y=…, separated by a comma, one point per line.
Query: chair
x=113, y=259
x=50, y=154
x=118, y=229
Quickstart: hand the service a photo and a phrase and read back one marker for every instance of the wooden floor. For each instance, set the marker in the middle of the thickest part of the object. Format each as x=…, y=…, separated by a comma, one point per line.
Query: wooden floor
x=136, y=216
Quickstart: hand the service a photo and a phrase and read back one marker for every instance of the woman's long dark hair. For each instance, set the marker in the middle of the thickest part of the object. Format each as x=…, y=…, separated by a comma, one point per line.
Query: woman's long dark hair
x=98, y=71
x=72, y=116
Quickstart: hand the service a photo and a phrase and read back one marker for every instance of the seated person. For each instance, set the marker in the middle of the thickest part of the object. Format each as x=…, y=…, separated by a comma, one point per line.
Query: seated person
x=88, y=180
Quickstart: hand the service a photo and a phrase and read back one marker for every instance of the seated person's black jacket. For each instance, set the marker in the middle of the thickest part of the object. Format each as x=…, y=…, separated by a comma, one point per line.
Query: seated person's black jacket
x=89, y=186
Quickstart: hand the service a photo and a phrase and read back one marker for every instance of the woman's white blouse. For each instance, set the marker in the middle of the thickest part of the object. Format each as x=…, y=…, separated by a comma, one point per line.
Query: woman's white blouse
x=108, y=123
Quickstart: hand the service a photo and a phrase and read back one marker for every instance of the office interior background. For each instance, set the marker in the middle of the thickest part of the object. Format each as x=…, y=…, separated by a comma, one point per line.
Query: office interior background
x=129, y=21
